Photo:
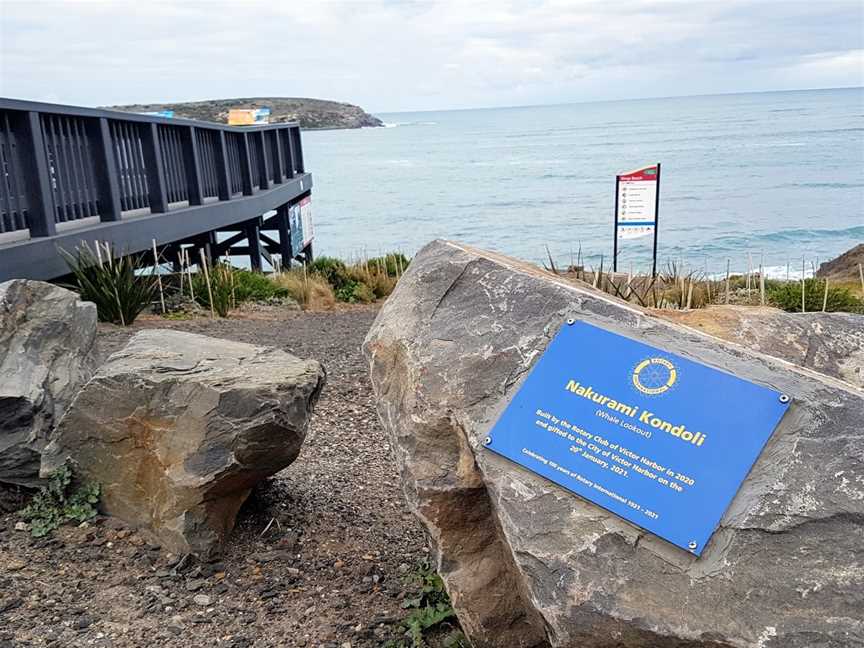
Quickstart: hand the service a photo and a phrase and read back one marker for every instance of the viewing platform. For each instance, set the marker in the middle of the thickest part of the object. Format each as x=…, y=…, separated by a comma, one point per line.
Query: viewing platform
x=71, y=175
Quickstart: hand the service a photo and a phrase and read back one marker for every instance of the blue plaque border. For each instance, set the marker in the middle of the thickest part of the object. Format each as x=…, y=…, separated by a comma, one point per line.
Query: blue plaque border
x=673, y=471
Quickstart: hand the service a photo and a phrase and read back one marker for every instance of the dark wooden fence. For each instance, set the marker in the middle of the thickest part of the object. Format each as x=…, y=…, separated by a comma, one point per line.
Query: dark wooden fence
x=66, y=169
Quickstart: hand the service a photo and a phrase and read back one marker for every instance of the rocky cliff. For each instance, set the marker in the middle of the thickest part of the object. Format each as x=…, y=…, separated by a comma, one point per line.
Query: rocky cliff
x=845, y=266
x=311, y=113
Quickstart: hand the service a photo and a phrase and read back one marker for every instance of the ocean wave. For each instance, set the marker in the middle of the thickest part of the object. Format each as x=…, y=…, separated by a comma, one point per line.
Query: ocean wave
x=800, y=235
x=820, y=185
x=411, y=123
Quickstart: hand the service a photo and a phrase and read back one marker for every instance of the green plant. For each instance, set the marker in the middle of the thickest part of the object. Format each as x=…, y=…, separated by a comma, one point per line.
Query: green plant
x=60, y=501
x=354, y=291
x=332, y=269
x=787, y=295
x=222, y=287
x=430, y=610
x=116, y=285
x=255, y=286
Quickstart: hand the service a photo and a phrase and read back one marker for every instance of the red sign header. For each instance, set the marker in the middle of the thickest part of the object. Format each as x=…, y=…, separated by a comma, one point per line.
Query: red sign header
x=646, y=173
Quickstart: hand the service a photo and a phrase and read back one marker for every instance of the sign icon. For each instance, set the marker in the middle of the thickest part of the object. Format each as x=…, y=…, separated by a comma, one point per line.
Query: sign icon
x=654, y=376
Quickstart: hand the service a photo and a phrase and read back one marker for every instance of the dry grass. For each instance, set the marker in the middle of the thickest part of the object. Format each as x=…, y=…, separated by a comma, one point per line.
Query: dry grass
x=311, y=291
x=380, y=283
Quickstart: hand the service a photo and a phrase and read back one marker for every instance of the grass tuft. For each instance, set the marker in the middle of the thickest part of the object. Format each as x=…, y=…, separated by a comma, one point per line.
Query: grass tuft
x=311, y=291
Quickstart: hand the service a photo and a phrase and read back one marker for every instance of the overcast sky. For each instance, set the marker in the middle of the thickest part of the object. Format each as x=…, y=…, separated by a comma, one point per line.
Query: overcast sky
x=390, y=55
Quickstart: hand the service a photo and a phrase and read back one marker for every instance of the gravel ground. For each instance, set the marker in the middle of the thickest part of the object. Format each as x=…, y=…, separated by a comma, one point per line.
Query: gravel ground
x=318, y=558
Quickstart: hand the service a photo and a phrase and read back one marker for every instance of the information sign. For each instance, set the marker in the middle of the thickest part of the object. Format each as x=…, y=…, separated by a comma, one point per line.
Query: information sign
x=300, y=225
x=637, y=202
x=658, y=439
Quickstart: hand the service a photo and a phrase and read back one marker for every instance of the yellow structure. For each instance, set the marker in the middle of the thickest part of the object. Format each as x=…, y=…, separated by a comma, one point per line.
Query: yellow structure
x=248, y=116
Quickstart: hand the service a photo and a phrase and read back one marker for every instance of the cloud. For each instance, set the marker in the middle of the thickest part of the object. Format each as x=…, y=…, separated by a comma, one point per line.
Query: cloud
x=391, y=55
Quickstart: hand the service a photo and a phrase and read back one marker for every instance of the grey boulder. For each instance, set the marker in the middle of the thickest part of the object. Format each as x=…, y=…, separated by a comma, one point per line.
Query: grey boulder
x=177, y=428
x=47, y=337
x=526, y=563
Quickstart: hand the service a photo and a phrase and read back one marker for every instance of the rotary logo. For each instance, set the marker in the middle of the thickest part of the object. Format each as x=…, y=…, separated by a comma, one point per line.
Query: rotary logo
x=654, y=376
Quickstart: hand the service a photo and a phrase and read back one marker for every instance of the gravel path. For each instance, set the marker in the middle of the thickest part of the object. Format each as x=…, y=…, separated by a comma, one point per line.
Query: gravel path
x=318, y=557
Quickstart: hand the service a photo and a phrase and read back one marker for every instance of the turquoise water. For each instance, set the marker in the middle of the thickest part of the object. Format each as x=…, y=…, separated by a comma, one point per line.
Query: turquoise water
x=778, y=176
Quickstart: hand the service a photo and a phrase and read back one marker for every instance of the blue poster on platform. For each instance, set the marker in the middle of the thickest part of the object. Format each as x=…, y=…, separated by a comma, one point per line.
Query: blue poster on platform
x=658, y=439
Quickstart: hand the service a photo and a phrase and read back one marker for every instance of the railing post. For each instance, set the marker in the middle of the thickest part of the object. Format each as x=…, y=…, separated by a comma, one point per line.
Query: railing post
x=289, y=163
x=154, y=168
x=252, y=229
x=105, y=168
x=192, y=162
x=284, y=235
x=37, y=173
x=245, y=165
x=222, y=171
x=276, y=155
x=298, y=149
x=261, y=152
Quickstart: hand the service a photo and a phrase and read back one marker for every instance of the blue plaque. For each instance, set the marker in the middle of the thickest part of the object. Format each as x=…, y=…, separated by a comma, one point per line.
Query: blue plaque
x=658, y=439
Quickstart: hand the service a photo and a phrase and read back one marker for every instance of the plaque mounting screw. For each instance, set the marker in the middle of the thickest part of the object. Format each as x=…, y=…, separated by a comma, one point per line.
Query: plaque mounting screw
x=571, y=321
x=693, y=544
x=487, y=440
x=784, y=398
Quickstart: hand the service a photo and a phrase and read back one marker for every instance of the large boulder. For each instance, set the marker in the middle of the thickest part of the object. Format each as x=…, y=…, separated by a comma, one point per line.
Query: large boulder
x=47, y=339
x=177, y=428
x=528, y=564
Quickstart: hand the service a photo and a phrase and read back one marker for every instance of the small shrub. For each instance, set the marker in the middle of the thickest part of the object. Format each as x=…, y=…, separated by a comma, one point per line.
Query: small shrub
x=787, y=295
x=355, y=291
x=430, y=610
x=115, y=285
x=60, y=501
x=379, y=283
x=255, y=286
x=332, y=269
x=312, y=292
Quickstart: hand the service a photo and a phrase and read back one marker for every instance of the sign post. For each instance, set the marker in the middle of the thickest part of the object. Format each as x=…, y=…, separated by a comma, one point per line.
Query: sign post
x=637, y=208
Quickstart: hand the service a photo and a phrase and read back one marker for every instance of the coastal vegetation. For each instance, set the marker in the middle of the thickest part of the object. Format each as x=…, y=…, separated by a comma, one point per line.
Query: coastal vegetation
x=676, y=287
x=113, y=282
x=124, y=286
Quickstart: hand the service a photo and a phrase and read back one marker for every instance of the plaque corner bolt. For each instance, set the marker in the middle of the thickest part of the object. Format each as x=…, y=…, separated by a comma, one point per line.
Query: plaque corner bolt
x=692, y=544
x=570, y=321
x=487, y=440
x=785, y=398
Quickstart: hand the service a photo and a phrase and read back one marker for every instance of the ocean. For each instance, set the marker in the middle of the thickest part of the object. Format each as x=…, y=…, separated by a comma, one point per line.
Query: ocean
x=775, y=177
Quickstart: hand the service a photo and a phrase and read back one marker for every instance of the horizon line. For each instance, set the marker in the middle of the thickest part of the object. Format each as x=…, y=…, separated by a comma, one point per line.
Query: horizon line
x=596, y=101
